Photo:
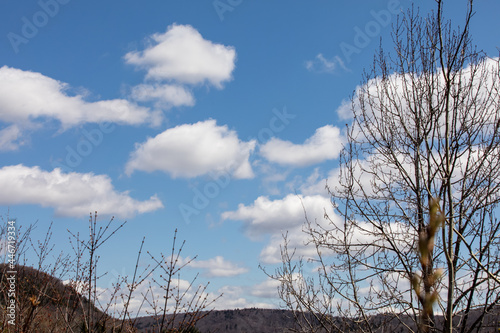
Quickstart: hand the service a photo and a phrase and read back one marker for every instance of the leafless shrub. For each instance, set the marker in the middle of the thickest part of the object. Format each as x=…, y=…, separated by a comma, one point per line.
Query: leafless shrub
x=45, y=304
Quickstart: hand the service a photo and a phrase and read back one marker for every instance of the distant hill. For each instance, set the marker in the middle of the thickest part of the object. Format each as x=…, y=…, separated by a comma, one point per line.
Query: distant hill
x=44, y=303
x=48, y=305
x=235, y=321
x=282, y=321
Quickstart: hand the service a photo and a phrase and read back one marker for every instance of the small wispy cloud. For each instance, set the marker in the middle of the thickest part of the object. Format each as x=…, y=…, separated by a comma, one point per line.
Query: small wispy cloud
x=219, y=267
x=322, y=65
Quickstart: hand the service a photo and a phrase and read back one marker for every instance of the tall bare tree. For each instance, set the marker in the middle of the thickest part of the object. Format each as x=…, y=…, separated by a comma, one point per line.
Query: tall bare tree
x=426, y=124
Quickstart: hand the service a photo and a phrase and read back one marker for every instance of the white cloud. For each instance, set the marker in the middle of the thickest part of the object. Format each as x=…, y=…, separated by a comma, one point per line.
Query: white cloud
x=405, y=88
x=11, y=138
x=286, y=216
x=281, y=217
x=315, y=184
x=192, y=150
x=219, y=267
x=344, y=111
x=365, y=173
x=266, y=289
x=325, y=144
x=181, y=54
x=236, y=297
x=70, y=194
x=322, y=65
x=147, y=297
x=166, y=95
x=232, y=297
x=298, y=242
x=28, y=96
x=267, y=216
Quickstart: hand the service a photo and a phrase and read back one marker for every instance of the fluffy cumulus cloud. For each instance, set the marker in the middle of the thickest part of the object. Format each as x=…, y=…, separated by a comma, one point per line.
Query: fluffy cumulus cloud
x=192, y=150
x=28, y=99
x=286, y=218
x=218, y=267
x=27, y=96
x=70, y=194
x=176, y=58
x=266, y=216
x=166, y=95
x=297, y=241
x=234, y=297
x=404, y=88
x=325, y=144
x=281, y=217
x=267, y=289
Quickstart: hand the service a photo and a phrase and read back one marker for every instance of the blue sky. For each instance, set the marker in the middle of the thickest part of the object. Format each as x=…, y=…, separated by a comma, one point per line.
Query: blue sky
x=211, y=117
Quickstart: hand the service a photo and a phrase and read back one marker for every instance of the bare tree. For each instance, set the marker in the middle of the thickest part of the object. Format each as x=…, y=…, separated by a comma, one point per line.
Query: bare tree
x=426, y=124
x=43, y=303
